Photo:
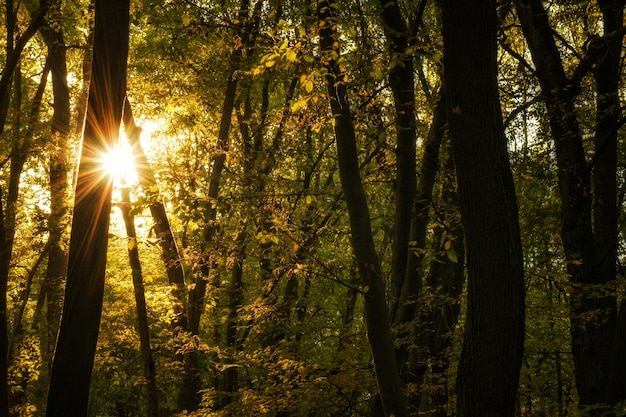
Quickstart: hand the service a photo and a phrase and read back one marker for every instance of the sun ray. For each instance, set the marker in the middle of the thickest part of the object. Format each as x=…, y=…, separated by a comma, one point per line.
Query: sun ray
x=118, y=163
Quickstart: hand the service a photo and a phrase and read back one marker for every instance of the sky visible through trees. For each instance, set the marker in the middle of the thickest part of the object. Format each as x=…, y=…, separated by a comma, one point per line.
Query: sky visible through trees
x=312, y=208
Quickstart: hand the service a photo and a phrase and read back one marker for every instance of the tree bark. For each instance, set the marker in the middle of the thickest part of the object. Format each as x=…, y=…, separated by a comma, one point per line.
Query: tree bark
x=608, y=113
x=373, y=287
x=402, y=83
x=494, y=332
x=58, y=174
x=589, y=235
x=140, y=300
x=169, y=250
x=443, y=287
x=78, y=334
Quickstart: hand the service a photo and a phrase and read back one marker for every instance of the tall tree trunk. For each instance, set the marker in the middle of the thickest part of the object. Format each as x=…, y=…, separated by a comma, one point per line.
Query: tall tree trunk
x=169, y=251
x=19, y=152
x=58, y=174
x=443, y=287
x=376, y=311
x=78, y=334
x=140, y=300
x=494, y=332
x=589, y=242
x=409, y=355
x=402, y=83
x=189, y=398
x=607, y=76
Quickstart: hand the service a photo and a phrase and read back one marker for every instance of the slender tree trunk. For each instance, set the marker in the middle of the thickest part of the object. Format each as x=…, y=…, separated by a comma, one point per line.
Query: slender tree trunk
x=14, y=51
x=494, y=332
x=140, y=300
x=5, y=258
x=78, y=334
x=443, y=288
x=169, y=250
x=189, y=398
x=402, y=83
x=411, y=361
x=58, y=174
x=376, y=311
x=235, y=295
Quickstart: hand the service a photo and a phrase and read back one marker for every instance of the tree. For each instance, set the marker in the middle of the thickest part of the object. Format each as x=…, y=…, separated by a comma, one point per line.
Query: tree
x=74, y=354
x=494, y=332
x=143, y=327
x=58, y=172
x=588, y=193
x=376, y=311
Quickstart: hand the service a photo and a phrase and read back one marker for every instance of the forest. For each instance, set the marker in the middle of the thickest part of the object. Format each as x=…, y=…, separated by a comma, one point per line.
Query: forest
x=382, y=208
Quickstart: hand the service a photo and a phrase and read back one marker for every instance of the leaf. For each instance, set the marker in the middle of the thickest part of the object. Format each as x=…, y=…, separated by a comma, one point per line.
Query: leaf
x=452, y=256
x=308, y=86
x=132, y=244
x=291, y=55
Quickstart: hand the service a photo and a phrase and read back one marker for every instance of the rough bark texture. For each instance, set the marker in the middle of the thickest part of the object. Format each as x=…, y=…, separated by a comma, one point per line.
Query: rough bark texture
x=376, y=311
x=76, y=344
x=494, y=331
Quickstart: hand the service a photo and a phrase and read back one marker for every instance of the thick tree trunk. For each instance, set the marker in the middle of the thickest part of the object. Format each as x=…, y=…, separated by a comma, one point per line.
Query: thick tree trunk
x=608, y=113
x=376, y=311
x=140, y=300
x=494, y=332
x=78, y=334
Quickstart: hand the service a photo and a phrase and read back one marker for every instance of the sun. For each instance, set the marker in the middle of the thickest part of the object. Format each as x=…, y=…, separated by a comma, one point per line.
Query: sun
x=118, y=163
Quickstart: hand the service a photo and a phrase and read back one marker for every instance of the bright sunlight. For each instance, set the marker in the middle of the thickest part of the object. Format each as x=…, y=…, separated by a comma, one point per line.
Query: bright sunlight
x=119, y=163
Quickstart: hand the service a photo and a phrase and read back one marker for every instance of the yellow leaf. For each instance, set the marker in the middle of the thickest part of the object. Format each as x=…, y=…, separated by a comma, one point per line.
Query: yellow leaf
x=132, y=244
x=308, y=86
x=447, y=245
x=291, y=56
